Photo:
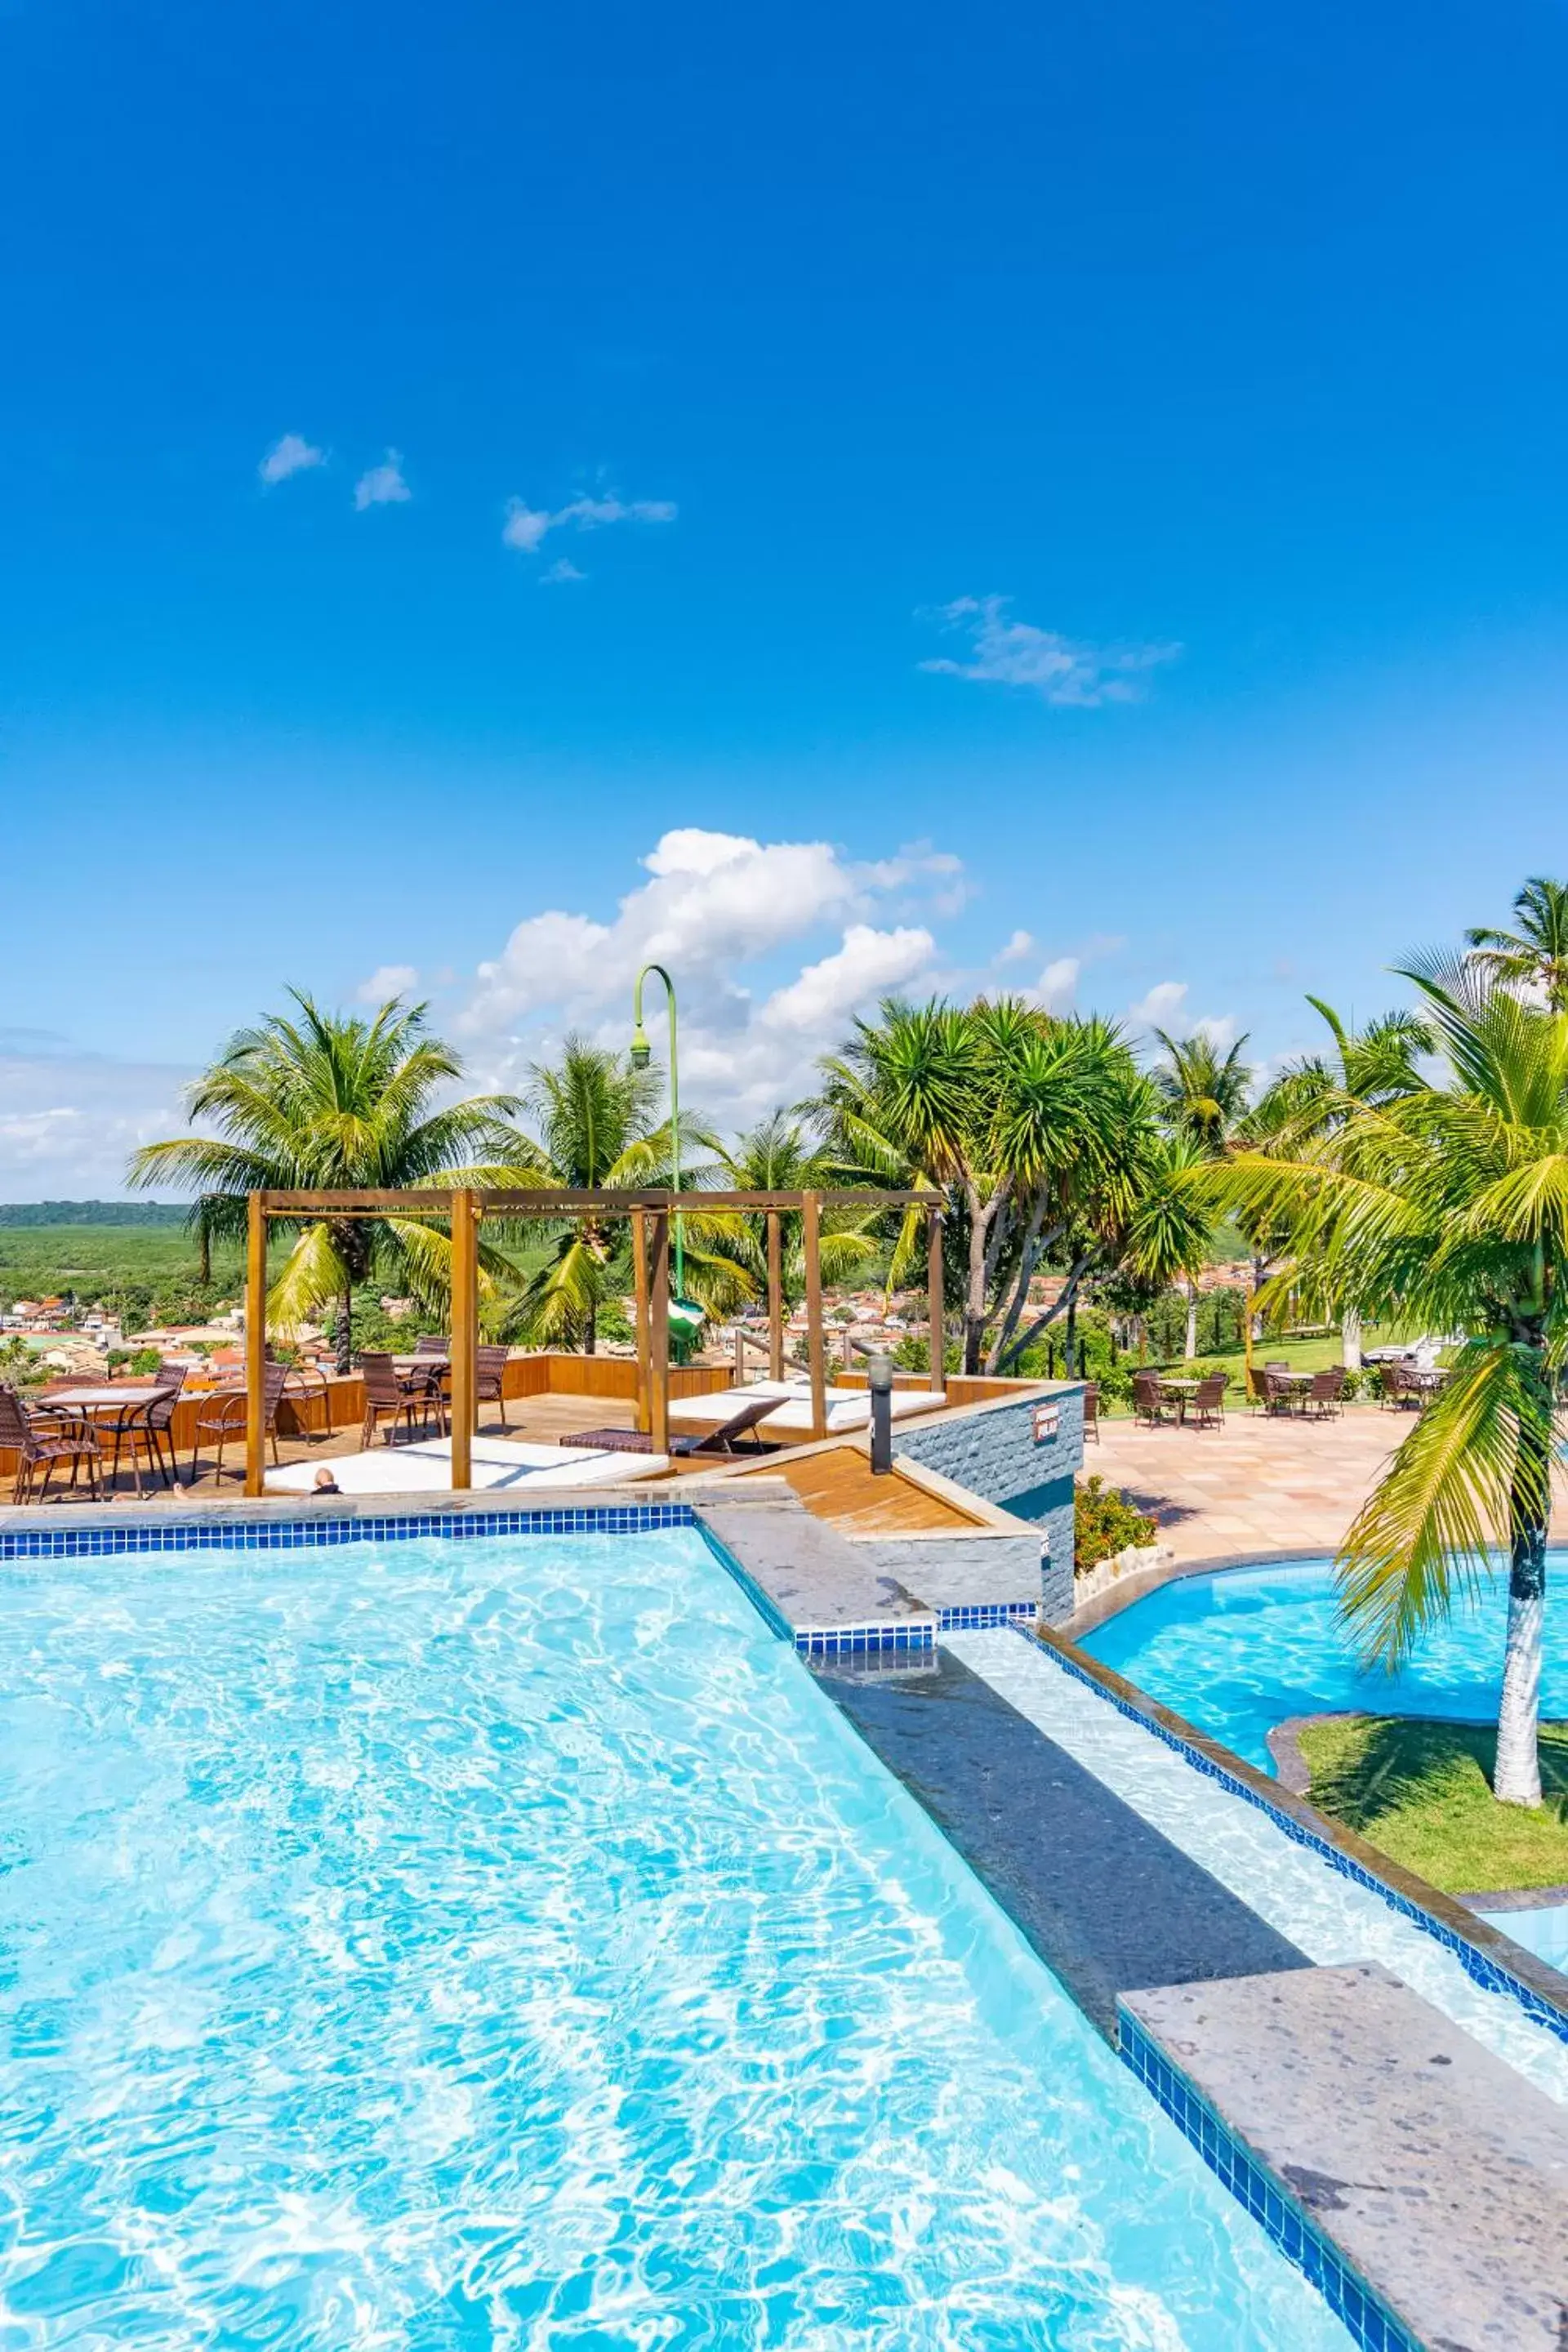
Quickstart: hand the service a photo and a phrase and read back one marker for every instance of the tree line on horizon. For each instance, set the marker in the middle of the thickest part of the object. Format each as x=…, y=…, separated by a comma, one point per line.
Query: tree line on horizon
x=1413, y=1172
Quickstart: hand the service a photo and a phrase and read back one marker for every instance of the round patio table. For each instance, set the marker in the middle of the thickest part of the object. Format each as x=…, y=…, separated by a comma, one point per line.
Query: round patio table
x=111, y=1410
x=1180, y=1394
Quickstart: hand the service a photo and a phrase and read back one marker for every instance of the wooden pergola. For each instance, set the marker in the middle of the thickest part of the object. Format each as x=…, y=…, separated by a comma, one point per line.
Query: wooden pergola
x=650, y=1214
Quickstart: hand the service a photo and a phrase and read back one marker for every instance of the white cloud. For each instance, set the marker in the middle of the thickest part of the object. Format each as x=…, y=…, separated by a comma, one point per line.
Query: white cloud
x=869, y=963
x=69, y=1121
x=525, y=526
x=1061, y=671
x=562, y=570
x=384, y=485
x=1057, y=984
x=1164, y=1007
x=1020, y=945
x=722, y=910
x=388, y=980
x=292, y=454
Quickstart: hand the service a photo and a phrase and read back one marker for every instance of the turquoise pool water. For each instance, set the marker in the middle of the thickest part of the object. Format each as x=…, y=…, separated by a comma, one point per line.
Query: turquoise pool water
x=505, y=1944
x=1237, y=1653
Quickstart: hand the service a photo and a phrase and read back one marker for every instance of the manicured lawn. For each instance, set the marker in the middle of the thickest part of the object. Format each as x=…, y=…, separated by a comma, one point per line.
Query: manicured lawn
x=1302, y=1355
x=1421, y=1792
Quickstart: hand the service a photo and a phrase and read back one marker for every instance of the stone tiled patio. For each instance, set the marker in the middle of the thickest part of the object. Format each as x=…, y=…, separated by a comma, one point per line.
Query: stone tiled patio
x=1256, y=1486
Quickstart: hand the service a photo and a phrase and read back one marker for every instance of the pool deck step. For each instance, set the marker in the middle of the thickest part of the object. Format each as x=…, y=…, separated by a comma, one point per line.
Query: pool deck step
x=1109, y=1902
x=1437, y=2175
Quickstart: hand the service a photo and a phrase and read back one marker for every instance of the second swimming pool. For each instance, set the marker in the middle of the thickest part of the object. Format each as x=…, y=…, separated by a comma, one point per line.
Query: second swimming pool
x=1240, y=1652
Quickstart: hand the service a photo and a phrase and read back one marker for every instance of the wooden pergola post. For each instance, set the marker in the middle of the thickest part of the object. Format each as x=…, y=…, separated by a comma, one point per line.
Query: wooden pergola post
x=775, y=1296
x=465, y=1337
x=658, y=1332
x=935, y=1304
x=640, y=1313
x=255, y=1343
x=811, y=1237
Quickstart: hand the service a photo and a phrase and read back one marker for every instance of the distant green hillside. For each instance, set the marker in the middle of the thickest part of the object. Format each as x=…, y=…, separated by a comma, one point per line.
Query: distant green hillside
x=92, y=1212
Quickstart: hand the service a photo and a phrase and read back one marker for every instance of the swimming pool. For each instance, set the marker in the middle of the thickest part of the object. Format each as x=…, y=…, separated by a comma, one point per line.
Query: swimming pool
x=504, y=1943
x=1238, y=1652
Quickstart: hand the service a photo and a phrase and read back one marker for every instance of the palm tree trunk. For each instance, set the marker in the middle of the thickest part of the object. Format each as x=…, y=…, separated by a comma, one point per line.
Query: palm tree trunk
x=1190, y=1344
x=345, y=1331
x=1069, y=1347
x=974, y=1307
x=1350, y=1339
x=590, y=1332
x=1516, y=1779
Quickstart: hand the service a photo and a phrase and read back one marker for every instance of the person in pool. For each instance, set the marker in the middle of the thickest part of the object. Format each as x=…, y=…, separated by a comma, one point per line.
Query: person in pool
x=325, y=1483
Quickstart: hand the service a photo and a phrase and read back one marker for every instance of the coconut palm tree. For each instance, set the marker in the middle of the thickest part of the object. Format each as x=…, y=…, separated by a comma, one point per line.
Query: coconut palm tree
x=1446, y=1207
x=1206, y=1093
x=314, y=1101
x=596, y=1122
x=780, y=1155
x=1313, y=1092
x=1536, y=954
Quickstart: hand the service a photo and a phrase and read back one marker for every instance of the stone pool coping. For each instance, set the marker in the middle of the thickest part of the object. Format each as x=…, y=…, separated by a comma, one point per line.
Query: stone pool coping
x=1493, y=1960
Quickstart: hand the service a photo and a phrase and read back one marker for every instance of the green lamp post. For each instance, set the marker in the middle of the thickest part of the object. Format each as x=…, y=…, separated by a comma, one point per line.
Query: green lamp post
x=685, y=1314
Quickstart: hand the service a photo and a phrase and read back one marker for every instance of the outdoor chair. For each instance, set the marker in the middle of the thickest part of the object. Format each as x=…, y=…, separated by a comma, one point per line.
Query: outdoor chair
x=46, y=1438
x=224, y=1415
x=1206, y=1408
x=1091, y=1412
x=1147, y=1402
x=389, y=1397
x=490, y=1373
x=1279, y=1389
x=1400, y=1387
x=1322, y=1399
x=432, y=1343
x=306, y=1381
x=714, y=1441
x=153, y=1427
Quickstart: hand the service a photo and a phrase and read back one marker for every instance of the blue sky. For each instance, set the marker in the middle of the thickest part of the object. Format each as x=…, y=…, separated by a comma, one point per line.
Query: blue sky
x=1073, y=498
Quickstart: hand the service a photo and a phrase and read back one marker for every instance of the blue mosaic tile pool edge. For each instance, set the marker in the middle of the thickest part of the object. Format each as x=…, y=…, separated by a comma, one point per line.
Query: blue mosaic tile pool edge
x=1371, y=2326
x=911, y=1633
x=1477, y=1965
x=300, y=1535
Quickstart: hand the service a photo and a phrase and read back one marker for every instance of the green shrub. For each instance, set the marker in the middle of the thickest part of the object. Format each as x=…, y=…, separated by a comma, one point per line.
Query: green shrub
x=1104, y=1523
x=143, y=1361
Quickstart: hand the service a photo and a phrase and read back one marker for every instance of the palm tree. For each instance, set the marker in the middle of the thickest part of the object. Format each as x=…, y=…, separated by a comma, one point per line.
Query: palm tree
x=596, y=1127
x=1446, y=1207
x=318, y=1102
x=595, y=1117
x=1031, y=1121
x=779, y=1155
x=1536, y=955
x=1313, y=1092
x=1206, y=1093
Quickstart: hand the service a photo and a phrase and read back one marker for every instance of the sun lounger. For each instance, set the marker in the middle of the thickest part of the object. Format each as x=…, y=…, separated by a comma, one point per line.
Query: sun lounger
x=846, y=1408
x=497, y=1463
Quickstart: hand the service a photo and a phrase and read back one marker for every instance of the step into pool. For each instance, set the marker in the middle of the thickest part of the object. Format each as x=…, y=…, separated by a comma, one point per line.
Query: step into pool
x=502, y=1942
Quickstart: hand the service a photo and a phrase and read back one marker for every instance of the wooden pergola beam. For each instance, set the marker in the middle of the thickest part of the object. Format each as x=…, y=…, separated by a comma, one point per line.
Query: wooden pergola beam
x=542, y=1203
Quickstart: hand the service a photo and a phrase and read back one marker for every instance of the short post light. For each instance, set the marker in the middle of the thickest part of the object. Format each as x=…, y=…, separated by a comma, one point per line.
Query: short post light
x=879, y=1381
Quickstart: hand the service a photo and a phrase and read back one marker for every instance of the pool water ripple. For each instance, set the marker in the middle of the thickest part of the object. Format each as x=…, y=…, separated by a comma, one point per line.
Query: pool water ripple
x=506, y=1943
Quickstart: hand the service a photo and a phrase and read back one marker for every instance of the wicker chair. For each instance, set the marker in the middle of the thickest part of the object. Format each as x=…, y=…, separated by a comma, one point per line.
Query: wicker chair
x=489, y=1371
x=45, y=1440
x=1206, y=1408
x=1323, y=1401
x=1091, y=1412
x=389, y=1397
x=153, y=1427
x=1147, y=1402
x=431, y=1343
x=1279, y=1389
x=224, y=1415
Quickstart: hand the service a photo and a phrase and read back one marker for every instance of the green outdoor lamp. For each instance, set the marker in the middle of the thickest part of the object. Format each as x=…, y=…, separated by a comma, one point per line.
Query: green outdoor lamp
x=685, y=1314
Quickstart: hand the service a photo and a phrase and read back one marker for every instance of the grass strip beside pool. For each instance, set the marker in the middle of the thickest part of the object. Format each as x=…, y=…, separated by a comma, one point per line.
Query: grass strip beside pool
x=1421, y=1791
